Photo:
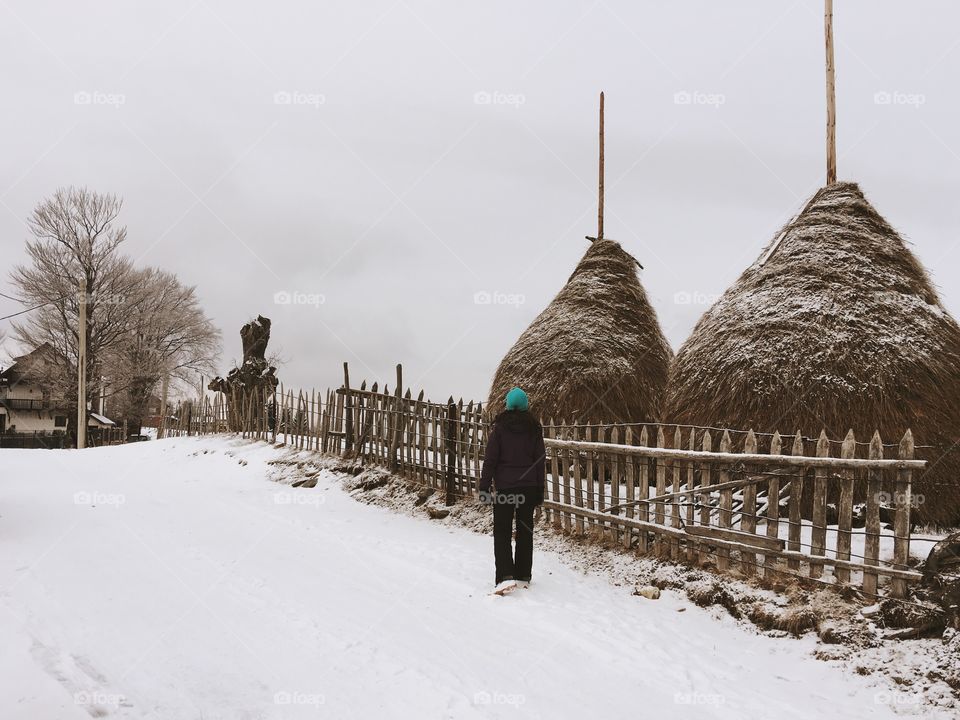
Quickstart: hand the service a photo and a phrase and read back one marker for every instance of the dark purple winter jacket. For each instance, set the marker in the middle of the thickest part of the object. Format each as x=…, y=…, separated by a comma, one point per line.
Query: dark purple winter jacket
x=515, y=456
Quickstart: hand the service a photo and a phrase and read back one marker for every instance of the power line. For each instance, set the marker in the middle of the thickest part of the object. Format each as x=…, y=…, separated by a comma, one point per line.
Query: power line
x=35, y=307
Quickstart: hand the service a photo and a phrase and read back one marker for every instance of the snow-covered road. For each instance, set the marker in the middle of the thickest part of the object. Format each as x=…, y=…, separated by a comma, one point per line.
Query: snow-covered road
x=172, y=580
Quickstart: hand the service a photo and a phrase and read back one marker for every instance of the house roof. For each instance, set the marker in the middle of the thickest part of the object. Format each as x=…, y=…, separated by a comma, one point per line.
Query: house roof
x=101, y=419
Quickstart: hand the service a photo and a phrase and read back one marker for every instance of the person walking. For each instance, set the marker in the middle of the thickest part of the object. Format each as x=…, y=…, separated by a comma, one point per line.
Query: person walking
x=512, y=479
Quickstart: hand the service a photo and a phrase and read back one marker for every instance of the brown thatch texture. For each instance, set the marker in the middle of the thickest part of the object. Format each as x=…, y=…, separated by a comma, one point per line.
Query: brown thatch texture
x=839, y=328
x=596, y=353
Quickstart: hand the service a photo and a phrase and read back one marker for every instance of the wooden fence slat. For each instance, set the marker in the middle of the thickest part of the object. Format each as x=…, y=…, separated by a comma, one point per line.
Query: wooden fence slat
x=871, y=540
x=691, y=501
x=629, y=467
x=773, y=511
x=675, y=505
x=901, y=520
x=706, y=479
x=565, y=459
x=748, y=513
x=818, y=536
x=725, y=518
x=796, y=498
x=845, y=509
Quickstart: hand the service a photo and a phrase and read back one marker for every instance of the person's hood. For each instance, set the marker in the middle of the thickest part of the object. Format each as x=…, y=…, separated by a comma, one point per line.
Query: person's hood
x=516, y=421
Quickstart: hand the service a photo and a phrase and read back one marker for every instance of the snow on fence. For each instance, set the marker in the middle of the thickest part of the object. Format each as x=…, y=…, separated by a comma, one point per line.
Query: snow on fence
x=735, y=500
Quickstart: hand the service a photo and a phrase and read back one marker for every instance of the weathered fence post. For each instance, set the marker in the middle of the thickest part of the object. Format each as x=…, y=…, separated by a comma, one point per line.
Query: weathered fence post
x=450, y=438
x=845, y=509
x=748, y=512
x=394, y=419
x=347, y=411
x=773, y=510
x=818, y=535
x=901, y=520
x=871, y=540
x=796, y=497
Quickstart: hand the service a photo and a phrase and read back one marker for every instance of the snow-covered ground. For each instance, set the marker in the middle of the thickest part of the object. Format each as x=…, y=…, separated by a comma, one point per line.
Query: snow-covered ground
x=172, y=579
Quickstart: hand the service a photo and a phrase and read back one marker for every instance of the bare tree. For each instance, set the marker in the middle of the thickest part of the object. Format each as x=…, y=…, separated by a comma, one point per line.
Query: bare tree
x=168, y=334
x=75, y=235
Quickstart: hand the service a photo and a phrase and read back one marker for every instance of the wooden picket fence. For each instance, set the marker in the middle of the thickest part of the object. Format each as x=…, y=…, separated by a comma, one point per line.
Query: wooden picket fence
x=771, y=505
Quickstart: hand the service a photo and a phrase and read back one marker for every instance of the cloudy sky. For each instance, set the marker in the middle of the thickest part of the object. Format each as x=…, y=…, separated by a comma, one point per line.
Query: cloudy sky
x=363, y=172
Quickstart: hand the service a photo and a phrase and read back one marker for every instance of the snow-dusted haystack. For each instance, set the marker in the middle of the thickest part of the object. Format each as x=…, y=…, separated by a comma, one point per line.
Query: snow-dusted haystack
x=596, y=353
x=837, y=325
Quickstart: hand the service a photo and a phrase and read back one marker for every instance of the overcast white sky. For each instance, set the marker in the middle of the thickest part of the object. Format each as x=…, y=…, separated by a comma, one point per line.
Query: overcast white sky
x=395, y=157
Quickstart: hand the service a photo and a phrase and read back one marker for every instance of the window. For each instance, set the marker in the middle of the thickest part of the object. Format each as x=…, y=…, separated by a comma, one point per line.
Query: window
x=60, y=421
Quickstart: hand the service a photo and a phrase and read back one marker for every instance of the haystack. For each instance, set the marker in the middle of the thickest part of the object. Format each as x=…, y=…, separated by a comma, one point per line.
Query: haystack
x=836, y=326
x=596, y=353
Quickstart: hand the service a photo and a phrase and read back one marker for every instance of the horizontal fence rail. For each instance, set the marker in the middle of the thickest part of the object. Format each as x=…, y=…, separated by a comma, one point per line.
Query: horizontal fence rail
x=794, y=507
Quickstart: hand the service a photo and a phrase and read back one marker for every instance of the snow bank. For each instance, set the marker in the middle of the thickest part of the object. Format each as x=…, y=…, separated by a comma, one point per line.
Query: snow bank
x=172, y=579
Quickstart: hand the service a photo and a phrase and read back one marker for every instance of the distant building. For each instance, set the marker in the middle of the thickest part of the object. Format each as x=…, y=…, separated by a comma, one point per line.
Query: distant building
x=28, y=405
x=32, y=406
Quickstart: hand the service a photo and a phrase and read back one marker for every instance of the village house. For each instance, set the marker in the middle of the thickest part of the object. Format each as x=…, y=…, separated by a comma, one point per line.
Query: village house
x=32, y=405
x=28, y=406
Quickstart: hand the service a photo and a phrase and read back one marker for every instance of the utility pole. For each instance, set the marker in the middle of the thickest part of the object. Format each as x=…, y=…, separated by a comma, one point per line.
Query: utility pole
x=831, y=95
x=162, y=425
x=82, y=368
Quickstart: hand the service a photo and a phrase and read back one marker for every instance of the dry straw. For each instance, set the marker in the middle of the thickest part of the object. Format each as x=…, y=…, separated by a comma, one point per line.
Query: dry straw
x=836, y=326
x=596, y=353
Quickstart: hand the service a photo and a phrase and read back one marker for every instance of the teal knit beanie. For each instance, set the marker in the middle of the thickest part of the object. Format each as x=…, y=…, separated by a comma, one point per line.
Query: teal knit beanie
x=517, y=400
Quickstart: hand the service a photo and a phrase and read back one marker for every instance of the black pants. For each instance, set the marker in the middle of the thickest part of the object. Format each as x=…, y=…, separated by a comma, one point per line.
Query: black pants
x=507, y=505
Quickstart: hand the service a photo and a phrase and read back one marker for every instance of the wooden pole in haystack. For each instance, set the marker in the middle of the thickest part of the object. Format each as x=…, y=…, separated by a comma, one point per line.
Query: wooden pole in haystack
x=600, y=199
x=831, y=95
x=600, y=183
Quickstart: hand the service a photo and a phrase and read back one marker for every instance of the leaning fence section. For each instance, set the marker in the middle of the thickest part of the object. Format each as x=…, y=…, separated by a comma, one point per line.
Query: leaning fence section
x=768, y=506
